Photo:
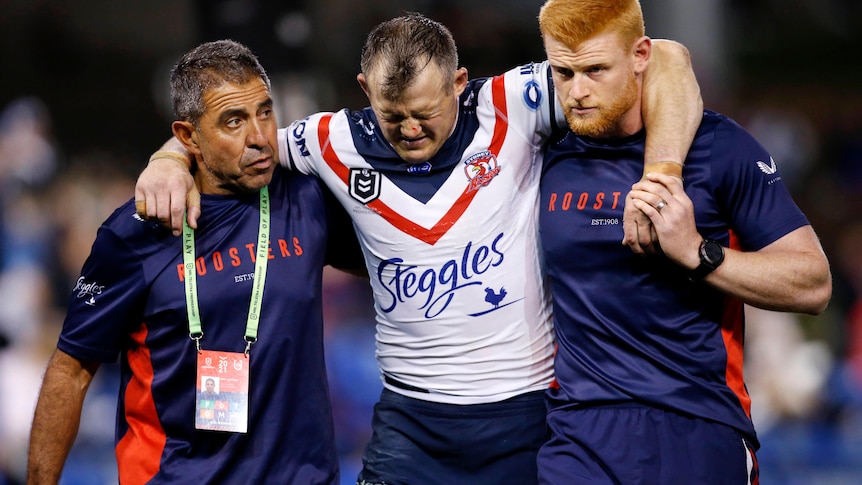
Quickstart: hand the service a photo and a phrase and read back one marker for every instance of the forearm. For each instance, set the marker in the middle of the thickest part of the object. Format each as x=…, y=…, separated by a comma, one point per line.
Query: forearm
x=672, y=103
x=790, y=280
x=57, y=417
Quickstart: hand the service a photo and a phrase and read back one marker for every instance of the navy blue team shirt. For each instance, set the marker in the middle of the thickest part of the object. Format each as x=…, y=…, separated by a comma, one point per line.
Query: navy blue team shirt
x=130, y=302
x=636, y=329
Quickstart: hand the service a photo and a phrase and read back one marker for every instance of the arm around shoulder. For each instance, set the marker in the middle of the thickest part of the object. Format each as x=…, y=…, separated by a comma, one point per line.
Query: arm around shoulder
x=57, y=416
x=167, y=187
x=672, y=103
x=672, y=109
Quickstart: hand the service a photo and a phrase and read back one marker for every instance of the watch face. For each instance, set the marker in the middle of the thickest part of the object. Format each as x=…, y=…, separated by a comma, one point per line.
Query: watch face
x=712, y=252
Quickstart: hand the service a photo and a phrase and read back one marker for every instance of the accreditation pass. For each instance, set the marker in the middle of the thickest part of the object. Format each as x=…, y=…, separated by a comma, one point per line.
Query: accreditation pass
x=222, y=391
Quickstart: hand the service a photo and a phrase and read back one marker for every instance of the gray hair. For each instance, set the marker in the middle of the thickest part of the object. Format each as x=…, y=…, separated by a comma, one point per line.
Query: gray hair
x=208, y=66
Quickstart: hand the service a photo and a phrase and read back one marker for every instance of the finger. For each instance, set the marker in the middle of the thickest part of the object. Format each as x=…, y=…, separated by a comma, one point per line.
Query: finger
x=177, y=189
x=646, y=235
x=178, y=212
x=630, y=236
x=639, y=238
x=193, y=202
x=650, y=191
x=669, y=183
x=140, y=202
x=647, y=208
x=146, y=206
x=653, y=248
x=655, y=244
x=630, y=226
x=655, y=201
x=141, y=208
x=162, y=211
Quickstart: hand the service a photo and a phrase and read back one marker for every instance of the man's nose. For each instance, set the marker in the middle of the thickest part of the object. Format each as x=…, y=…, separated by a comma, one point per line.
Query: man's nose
x=410, y=127
x=256, y=136
x=578, y=90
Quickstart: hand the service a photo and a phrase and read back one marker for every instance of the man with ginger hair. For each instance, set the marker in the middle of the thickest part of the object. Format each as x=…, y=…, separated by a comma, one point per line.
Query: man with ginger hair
x=649, y=385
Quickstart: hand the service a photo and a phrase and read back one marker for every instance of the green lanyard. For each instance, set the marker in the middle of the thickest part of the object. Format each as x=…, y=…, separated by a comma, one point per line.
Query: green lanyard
x=195, y=332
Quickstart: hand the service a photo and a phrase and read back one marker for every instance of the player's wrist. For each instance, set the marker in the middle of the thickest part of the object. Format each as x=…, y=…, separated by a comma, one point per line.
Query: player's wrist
x=161, y=155
x=667, y=167
x=710, y=257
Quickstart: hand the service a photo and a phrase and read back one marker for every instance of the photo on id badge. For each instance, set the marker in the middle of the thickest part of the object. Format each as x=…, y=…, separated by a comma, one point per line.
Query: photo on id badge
x=222, y=391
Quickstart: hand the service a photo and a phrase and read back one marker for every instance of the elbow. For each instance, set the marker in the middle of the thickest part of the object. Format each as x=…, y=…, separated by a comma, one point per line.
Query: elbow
x=674, y=49
x=825, y=295
x=818, y=296
x=673, y=54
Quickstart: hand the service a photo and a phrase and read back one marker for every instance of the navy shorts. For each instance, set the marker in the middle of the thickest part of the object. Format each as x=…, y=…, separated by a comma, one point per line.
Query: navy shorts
x=633, y=444
x=418, y=442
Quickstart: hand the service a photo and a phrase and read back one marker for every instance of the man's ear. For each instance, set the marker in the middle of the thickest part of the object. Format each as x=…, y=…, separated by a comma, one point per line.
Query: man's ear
x=363, y=83
x=186, y=133
x=461, y=79
x=642, y=50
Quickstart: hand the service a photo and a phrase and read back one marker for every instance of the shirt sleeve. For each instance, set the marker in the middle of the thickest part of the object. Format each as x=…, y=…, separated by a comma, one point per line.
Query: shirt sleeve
x=299, y=145
x=107, y=301
x=532, y=102
x=758, y=206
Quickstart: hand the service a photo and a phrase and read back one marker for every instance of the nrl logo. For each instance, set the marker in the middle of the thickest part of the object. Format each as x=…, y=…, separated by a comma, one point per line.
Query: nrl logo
x=364, y=184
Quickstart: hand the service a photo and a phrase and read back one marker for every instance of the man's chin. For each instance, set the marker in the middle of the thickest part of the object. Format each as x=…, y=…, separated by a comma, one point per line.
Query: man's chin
x=591, y=129
x=256, y=182
x=414, y=157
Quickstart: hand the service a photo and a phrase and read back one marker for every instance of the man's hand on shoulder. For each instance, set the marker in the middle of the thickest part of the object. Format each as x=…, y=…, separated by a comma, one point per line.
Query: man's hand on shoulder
x=163, y=191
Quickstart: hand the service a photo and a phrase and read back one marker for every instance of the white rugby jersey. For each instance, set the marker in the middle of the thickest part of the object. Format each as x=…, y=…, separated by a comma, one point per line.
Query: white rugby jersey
x=451, y=245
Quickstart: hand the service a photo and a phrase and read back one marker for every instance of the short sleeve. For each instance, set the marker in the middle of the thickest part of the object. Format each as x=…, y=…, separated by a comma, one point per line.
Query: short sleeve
x=106, y=302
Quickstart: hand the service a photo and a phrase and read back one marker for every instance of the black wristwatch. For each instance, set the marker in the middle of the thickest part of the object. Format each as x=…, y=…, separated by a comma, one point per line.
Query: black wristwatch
x=711, y=256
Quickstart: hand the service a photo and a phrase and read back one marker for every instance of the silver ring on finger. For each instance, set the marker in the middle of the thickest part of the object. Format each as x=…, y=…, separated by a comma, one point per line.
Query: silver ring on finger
x=661, y=204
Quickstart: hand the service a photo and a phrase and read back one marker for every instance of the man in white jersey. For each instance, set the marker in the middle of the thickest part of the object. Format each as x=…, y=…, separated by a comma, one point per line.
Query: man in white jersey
x=440, y=176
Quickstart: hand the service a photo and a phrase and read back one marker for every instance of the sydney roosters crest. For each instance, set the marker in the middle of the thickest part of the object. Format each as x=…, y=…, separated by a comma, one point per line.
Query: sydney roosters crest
x=364, y=184
x=480, y=169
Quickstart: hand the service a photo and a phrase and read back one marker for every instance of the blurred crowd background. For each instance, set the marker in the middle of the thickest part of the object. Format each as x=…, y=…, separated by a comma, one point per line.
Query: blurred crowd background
x=83, y=102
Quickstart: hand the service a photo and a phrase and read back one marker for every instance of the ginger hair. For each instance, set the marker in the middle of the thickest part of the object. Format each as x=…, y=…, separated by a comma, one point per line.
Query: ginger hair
x=574, y=21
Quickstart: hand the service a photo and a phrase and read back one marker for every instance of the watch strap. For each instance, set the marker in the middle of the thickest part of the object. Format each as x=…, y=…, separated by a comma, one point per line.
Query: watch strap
x=706, y=265
x=700, y=272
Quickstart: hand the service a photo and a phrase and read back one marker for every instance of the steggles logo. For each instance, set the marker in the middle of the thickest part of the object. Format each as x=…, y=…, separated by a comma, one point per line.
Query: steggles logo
x=90, y=290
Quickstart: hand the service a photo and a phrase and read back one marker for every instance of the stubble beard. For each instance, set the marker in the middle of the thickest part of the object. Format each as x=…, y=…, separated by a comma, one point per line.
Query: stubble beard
x=605, y=120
